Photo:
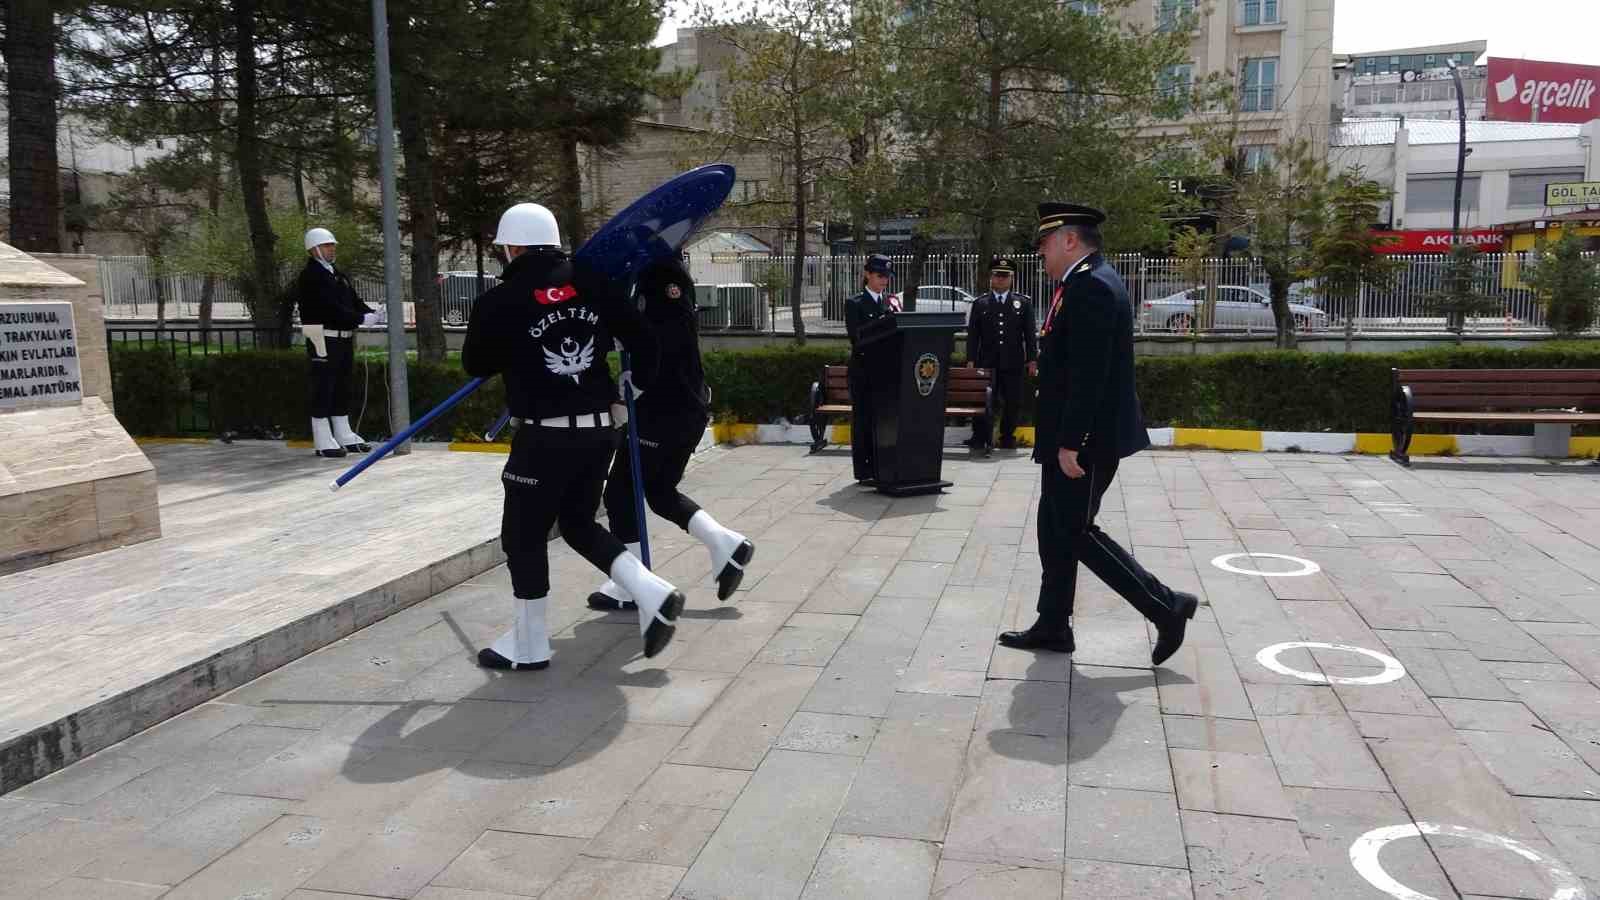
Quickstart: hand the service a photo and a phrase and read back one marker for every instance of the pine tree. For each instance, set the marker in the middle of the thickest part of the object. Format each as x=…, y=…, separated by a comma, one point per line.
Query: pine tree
x=1464, y=291
x=1567, y=282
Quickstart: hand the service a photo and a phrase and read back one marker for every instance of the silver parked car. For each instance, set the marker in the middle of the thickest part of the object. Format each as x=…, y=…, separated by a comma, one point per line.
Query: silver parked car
x=1238, y=309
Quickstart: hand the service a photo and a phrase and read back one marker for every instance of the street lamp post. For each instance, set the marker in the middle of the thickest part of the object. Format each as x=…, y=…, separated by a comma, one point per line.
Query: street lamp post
x=399, y=391
x=1461, y=149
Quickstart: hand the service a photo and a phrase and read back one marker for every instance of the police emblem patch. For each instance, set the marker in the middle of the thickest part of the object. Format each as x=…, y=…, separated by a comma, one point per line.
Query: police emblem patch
x=1016, y=304
x=927, y=373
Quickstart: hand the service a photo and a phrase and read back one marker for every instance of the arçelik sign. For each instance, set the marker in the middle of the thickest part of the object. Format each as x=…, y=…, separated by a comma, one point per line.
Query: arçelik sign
x=1527, y=90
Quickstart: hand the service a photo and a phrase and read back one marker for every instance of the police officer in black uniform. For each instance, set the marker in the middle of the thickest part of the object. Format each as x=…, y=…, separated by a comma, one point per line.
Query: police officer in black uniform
x=546, y=330
x=330, y=313
x=1088, y=420
x=672, y=417
x=1001, y=336
x=873, y=302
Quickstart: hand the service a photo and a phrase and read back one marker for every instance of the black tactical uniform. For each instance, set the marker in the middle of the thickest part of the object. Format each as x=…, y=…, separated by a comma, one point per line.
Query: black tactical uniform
x=1001, y=336
x=859, y=310
x=1088, y=403
x=326, y=298
x=546, y=329
x=671, y=417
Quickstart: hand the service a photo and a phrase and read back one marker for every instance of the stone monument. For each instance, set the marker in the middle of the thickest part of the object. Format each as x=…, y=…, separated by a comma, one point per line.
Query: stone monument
x=72, y=481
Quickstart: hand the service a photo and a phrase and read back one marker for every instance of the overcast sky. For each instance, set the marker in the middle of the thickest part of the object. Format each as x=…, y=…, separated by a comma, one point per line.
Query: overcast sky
x=1557, y=30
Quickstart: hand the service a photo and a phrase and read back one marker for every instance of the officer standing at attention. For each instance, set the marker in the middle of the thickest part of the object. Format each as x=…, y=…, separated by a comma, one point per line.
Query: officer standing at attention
x=873, y=302
x=330, y=313
x=1088, y=420
x=546, y=330
x=1001, y=336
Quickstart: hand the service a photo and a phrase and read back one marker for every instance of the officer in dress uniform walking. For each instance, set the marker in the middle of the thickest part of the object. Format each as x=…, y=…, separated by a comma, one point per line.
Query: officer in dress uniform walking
x=1088, y=420
x=873, y=302
x=1001, y=336
x=330, y=313
x=672, y=416
x=546, y=330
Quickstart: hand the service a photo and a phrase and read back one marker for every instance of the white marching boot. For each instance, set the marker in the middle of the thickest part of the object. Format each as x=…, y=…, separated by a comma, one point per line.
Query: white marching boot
x=611, y=596
x=730, y=552
x=658, y=602
x=347, y=438
x=527, y=645
x=322, y=439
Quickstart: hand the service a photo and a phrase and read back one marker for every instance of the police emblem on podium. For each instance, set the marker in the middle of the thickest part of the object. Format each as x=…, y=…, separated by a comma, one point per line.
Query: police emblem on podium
x=927, y=373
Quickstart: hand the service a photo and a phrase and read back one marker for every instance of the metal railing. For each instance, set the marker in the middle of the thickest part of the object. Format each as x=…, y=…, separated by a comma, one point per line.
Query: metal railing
x=751, y=294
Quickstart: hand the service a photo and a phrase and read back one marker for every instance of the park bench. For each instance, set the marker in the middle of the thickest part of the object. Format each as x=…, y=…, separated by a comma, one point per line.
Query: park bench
x=1498, y=396
x=969, y=393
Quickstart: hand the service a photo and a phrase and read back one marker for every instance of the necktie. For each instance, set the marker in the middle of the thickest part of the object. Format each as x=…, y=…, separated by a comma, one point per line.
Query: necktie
x=1055, y=306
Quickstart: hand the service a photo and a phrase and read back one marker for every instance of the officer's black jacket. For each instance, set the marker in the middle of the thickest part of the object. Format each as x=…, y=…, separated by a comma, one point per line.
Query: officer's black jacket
x=678, y=393
x=989, y=319
x=1087, y=398
x=547, y=328
x=858, y=311
x=327, y=299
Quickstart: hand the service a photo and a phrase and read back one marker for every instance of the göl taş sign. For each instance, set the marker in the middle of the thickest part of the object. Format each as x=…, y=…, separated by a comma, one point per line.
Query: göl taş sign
x=1527, y=90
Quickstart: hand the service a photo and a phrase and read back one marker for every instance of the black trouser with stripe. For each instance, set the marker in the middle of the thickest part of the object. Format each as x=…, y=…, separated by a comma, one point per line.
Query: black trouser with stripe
x=1007, y=396
x=1068, y=535
x=554, y=475
x=330, y=377
x=861, y=425
x=664, y=452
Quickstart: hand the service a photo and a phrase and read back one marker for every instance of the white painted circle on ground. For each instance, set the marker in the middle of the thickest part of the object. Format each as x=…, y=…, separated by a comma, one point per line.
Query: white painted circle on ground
x=1225, y=563
x=1392, y=670
x=1364, y=856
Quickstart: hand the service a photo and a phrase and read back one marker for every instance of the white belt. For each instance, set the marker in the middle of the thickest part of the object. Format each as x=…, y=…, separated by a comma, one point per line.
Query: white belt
x=582, y=420
x=339, y=334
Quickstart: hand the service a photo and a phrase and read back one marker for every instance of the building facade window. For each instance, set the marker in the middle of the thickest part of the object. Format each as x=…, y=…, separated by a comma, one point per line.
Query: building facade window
x=1259, y=12
x=1527, y=188
x=1436, y=193
x=1259, y=85
x=1171, y=14
x=1176, y=82
x=1255, y=157
x=1087, y=7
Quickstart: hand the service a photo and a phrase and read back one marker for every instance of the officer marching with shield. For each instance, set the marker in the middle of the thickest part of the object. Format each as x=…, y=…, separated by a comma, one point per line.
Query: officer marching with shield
x=873, y=302
x=1001, y=337
x=671, y=417
x=546, y=330
x=330, y=313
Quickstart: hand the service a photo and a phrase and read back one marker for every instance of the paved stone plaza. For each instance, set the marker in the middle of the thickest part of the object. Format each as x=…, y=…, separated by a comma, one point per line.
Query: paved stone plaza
x=847, y=726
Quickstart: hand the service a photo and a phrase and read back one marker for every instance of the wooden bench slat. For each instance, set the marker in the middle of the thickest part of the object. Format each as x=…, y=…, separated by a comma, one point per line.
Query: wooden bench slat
x=1496, y=376
x=1504, y=404
x=1555, y=418
x=1535, y=389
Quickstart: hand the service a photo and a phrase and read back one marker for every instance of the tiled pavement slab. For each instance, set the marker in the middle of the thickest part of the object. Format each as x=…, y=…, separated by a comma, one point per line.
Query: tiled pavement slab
x=846, y=727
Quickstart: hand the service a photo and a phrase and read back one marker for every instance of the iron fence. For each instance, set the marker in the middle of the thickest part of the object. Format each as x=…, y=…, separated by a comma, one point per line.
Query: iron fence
x=753, y=293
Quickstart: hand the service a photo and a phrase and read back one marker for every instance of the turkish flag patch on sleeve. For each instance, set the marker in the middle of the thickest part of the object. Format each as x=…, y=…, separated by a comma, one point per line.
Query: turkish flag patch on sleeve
x=551, y=295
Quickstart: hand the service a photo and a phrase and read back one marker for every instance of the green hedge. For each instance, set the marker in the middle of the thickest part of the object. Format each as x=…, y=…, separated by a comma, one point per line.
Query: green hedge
x=263, y=393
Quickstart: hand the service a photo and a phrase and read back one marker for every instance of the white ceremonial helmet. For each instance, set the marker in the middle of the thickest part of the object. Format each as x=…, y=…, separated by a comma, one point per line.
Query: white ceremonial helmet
x=316, y=237
x=528, y=225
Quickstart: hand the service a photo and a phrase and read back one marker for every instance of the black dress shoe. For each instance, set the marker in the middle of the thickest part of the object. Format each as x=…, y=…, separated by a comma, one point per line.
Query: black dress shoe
x=608, y=603
x=492, y=660
x=358, y=448
x=1169, y=634
x=659, y=634
x=733, y=573
x=1038, y=639
x=336, y=453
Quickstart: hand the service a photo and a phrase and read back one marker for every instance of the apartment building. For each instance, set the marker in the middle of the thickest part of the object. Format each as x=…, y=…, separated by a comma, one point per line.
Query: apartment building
x=1414, y=82
x=1279, y=54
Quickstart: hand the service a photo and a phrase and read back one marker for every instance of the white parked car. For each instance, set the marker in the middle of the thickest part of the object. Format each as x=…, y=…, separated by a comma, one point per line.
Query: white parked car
x=943, y=298
x=1238, y=309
